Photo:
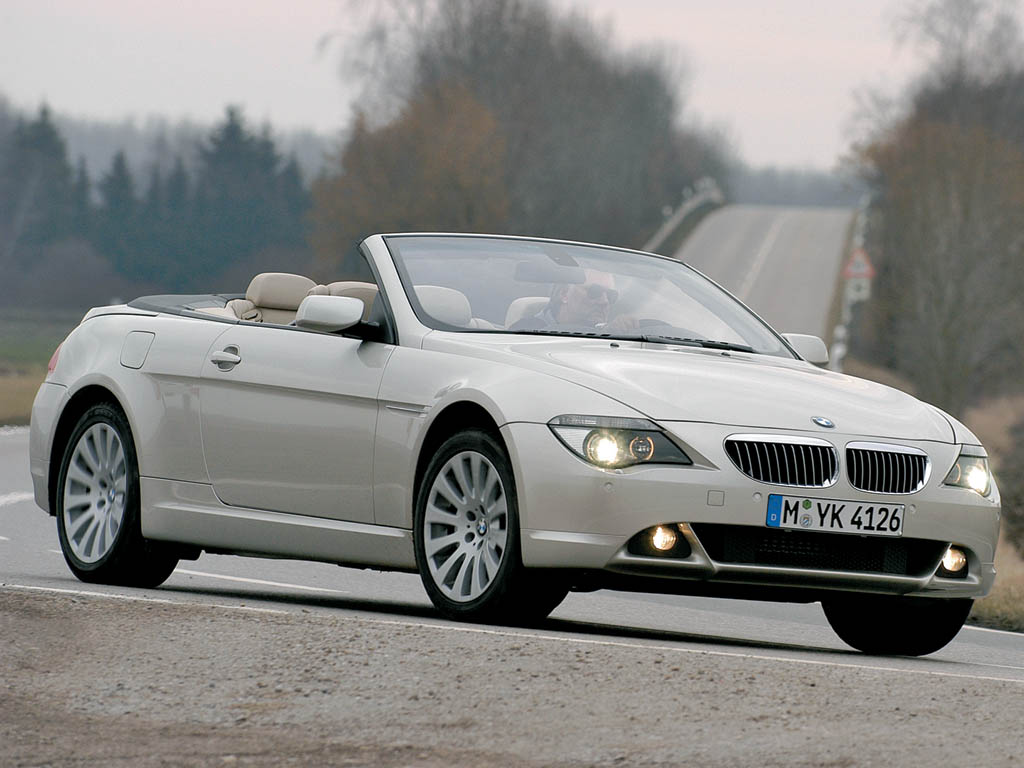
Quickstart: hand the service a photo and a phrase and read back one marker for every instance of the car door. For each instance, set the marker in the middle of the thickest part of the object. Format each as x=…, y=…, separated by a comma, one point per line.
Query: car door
x=288, y=420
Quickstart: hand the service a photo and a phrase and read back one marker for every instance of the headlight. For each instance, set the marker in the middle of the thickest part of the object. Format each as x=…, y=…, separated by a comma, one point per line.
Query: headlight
x=613, y=443
x=971, y=472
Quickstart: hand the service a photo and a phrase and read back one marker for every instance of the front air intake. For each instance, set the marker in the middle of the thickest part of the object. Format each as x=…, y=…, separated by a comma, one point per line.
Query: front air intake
x=800, y=462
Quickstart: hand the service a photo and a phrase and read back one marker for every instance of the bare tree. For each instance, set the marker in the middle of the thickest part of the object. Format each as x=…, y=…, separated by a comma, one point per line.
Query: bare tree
x=439, y=166
x=965, y=39
x=593, y=145
x=952, y=242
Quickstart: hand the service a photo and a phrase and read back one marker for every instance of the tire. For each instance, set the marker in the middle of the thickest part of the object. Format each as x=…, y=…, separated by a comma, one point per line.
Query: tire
x=97, y=506
x=466, y=534
x=896, y=626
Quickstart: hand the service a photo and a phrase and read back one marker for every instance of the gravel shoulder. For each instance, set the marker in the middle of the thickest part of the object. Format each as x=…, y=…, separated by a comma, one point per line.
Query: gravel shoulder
x=123, y=683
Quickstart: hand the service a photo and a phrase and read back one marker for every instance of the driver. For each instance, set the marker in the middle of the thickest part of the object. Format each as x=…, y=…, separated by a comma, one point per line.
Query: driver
x=577, y=304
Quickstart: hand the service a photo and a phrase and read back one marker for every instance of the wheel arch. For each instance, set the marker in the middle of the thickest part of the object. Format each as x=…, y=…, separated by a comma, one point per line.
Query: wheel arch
x=454, y=418
x=81, y=401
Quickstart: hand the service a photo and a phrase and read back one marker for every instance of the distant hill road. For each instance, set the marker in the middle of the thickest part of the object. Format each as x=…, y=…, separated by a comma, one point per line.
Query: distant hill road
x=782, y=262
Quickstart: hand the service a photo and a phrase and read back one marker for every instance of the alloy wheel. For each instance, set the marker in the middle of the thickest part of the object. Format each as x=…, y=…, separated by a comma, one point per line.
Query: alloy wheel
x=94, y=493
x=465, y=526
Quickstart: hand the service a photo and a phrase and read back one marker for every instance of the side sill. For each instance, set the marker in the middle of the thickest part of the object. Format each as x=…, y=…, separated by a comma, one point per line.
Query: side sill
x=191, y=513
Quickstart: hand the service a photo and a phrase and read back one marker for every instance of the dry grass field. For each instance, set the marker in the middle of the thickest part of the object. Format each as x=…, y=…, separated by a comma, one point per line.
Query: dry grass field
x=27, y=340
x=1004, y=608
x=17, y=390
x=991, y=421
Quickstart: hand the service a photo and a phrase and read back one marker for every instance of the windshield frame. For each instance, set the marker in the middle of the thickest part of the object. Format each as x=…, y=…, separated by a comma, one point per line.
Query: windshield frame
x=432, y=323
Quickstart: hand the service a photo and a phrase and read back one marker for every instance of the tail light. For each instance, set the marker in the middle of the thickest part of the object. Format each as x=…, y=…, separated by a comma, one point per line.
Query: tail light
x=53, y=360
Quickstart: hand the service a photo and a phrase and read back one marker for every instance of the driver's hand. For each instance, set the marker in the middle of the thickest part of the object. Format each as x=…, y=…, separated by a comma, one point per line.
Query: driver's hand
x=624, y=323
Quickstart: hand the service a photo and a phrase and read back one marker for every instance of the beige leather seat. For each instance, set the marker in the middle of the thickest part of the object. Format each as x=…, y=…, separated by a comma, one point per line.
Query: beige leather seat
x=449, y=306
x=365, y=292
x=272, y=297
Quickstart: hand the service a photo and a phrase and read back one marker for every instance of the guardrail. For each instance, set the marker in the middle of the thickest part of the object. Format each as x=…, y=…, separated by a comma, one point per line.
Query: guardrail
x=705, y=191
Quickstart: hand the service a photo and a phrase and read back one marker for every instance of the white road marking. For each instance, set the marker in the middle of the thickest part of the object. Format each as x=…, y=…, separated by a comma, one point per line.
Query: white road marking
x=4, y=538
x=759, y=258
x=136, y=598
x=261, y=582
x=6, y=499
x=55, y=551
x=997, y=631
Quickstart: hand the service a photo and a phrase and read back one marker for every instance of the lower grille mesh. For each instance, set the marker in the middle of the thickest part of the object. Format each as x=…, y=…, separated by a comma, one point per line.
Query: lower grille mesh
x=750, y=545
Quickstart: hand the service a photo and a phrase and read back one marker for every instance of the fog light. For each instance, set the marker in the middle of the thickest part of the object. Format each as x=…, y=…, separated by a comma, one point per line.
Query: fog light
x=663, y=538
x=954, y=560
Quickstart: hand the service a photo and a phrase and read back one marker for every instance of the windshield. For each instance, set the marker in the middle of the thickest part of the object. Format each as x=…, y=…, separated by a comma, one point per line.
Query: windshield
x=492, y=284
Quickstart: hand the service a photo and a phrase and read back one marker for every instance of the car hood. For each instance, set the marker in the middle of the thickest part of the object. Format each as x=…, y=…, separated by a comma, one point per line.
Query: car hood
x=750, y=391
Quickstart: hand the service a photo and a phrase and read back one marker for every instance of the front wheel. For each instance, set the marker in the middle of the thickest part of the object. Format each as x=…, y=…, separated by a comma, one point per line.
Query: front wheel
x=466, y=531
x=98, y=506
x=896, y=626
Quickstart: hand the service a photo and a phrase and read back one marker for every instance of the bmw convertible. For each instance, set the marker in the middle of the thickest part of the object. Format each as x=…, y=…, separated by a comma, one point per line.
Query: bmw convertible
x=512, y=418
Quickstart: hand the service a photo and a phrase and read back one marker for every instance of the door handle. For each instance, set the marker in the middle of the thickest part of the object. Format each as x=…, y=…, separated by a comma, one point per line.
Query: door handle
x=226, y=359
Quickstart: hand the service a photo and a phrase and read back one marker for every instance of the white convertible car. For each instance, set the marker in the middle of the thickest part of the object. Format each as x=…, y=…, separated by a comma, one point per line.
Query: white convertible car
x=512, y=418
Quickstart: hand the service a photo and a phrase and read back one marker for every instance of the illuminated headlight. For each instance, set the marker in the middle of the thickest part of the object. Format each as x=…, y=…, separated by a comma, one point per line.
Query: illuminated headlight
x=613, y=443
x=971, y=472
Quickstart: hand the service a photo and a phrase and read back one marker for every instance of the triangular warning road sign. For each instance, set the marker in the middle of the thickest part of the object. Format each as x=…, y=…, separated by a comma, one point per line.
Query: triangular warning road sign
x=858, y=265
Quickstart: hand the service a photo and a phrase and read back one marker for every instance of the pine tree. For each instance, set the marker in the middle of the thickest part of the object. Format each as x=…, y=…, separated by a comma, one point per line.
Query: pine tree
x=117, y=224
x=36, y=186
x=81, y=201
x=292, y=205
x=235, y=193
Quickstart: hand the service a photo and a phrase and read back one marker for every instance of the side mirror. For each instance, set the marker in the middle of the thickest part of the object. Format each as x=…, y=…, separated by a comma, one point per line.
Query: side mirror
x=329, y=313
x=810, y=348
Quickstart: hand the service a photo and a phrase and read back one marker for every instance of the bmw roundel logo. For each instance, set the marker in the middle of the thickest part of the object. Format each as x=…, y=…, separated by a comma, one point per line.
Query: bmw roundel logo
x=821, y=421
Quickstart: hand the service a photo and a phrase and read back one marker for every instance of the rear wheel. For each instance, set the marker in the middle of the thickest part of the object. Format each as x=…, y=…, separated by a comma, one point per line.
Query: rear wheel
x=466, y=530
x=896, y=626
x=98, y=506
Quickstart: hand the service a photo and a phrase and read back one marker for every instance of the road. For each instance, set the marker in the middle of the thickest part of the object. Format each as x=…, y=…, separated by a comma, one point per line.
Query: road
x=255, y=661
x=782, y=262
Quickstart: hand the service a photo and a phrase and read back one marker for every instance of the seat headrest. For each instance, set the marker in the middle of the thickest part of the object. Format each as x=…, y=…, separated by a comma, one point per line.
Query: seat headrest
x=354, y=288
x=445, y=304
x=365, y=292
x=278, y=290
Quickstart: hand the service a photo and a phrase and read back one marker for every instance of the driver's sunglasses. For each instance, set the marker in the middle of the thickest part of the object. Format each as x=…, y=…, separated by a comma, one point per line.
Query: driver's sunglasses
x=594, y=292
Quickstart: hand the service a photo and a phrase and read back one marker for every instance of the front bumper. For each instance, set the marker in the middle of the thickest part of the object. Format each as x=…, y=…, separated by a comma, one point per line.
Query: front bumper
x=578, y=517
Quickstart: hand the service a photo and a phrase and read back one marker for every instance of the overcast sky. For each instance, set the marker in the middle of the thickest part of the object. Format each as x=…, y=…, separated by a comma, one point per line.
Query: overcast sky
x=778, y=75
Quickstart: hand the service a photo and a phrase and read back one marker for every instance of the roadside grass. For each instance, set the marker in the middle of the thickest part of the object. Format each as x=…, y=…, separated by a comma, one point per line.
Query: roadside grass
x=17, y=391
x=27, y=340
x=1004, y=607
x=991, y=421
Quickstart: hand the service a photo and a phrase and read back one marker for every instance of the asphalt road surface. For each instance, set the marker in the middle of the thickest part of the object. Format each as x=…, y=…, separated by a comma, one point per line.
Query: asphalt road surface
x=782, y=262
x=266, y=662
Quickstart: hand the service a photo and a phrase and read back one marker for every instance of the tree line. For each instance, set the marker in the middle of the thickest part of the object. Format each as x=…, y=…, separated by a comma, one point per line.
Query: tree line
x=947, y=230
x=947, y=222
x=507, y=116
x=171, y=229
x=503, y=116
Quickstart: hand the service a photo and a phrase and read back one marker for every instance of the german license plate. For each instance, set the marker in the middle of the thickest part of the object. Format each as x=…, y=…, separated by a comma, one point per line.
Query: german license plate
x=807, y=514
